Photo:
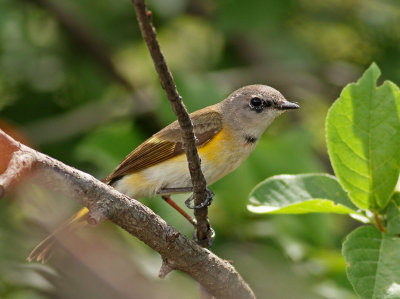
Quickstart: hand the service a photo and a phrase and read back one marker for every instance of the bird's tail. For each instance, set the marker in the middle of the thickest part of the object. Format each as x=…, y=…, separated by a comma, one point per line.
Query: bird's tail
x=43, y=250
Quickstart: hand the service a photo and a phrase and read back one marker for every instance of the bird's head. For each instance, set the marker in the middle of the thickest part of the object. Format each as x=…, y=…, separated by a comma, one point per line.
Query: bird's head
x=254, y=107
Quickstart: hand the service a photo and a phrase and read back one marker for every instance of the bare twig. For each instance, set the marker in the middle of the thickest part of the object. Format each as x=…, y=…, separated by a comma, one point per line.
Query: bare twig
x=218, y=276
x=168, y=84
x=203, y=231
x=165, y=269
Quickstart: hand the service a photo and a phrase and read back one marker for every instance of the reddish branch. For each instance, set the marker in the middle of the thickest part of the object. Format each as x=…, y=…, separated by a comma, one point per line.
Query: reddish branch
x=199, y=183
x=176, y=250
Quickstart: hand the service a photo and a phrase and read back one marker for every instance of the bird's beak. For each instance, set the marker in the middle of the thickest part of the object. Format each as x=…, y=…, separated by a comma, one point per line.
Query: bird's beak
x=286, y=105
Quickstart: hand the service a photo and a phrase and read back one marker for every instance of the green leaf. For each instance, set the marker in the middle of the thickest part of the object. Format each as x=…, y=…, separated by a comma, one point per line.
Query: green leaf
x=363, y=137
x=393, y=215
x=299, y=194
x=373, y=260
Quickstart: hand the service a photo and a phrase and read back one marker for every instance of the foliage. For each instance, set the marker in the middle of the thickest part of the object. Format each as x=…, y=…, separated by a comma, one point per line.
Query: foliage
x=61, y=98
x=373, y=258
x=298, y=194
x=363, y=135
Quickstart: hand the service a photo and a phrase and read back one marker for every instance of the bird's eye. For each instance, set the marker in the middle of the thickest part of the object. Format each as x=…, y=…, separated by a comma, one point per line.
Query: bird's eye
x=255, y=102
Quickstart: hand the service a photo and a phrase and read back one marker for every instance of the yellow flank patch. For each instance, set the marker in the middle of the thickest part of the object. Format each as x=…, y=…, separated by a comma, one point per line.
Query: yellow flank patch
x=213, y=149
x=137, y=179
x=136, y=185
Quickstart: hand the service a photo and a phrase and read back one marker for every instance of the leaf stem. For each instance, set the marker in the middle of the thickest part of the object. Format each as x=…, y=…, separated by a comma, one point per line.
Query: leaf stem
x=378, y=222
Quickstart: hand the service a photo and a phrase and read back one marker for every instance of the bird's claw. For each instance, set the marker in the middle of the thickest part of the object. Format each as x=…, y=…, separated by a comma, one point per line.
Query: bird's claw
x=207, y=201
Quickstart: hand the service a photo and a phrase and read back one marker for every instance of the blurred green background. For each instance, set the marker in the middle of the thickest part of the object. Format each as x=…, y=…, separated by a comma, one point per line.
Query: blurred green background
x=77, y=83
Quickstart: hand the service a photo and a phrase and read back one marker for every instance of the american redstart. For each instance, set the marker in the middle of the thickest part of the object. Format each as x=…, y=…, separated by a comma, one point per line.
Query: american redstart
x=226, y=133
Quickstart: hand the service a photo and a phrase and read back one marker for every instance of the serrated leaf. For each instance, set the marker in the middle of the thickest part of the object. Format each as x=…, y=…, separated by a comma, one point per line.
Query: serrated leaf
x=299, y=194
x=363, y=137
x=372, y=260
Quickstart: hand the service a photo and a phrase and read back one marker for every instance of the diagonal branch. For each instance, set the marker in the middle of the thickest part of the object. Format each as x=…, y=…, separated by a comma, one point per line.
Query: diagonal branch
x=181, y=253
x=168, y=84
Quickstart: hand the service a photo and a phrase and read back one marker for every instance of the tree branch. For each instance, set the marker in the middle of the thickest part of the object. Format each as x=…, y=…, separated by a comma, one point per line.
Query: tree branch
x=188, y=137
x=103, y=201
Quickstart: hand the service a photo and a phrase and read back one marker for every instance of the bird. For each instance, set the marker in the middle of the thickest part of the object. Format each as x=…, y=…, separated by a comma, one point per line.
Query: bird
x=226, y=134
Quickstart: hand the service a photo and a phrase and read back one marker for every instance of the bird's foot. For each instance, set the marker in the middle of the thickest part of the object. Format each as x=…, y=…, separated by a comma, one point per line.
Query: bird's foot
x=207, y=201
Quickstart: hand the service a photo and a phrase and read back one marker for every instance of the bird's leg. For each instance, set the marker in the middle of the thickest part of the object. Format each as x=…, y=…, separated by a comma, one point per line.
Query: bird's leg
x=169, y=191
x=169, y=201
x=205, y=203
x=165, y=194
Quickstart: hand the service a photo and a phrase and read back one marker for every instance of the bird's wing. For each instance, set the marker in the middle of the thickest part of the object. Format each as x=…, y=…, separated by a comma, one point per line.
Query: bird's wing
x=167, y=143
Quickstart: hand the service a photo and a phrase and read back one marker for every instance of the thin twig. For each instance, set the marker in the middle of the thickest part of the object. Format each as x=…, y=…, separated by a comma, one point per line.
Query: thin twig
x=378, y=222
x=168, y=84
x=218, y=276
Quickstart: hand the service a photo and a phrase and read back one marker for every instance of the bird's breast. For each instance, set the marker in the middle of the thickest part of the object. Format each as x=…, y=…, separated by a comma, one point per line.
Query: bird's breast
x=223, y=153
